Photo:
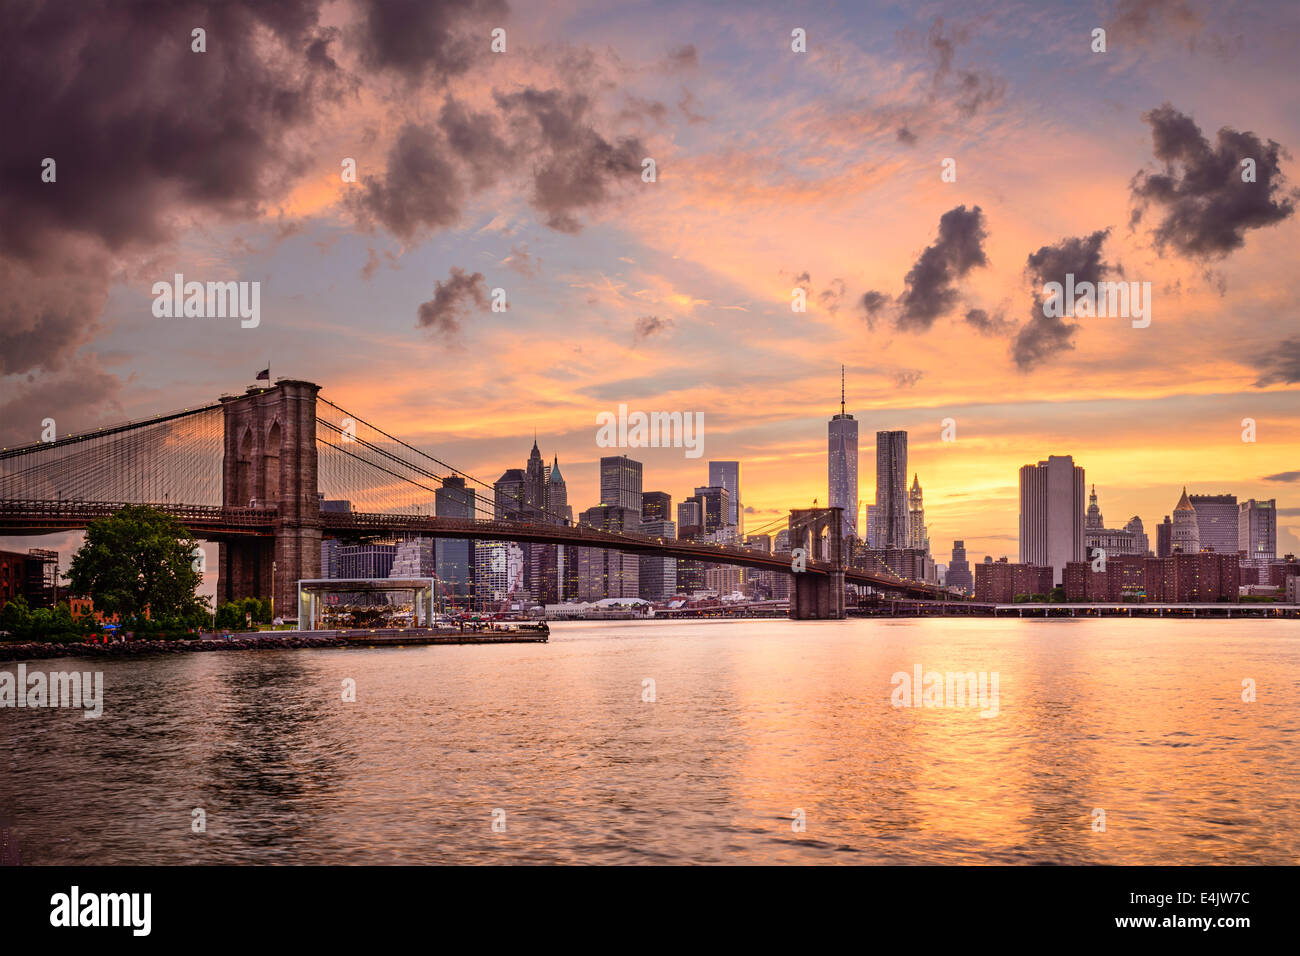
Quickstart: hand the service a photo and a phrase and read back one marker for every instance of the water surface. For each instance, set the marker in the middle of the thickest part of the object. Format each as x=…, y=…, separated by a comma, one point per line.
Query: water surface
x=752, y=721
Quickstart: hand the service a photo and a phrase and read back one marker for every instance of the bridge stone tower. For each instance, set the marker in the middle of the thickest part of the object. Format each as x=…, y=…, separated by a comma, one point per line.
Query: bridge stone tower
x=270, y=462
x=815, y=595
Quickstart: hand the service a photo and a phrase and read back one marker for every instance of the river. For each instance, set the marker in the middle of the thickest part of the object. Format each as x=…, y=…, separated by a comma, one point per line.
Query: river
x=765, y=741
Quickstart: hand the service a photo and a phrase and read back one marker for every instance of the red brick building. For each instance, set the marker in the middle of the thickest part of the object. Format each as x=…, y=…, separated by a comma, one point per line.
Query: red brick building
x=1204, y=577
x=1279, y=571
x=1125, y=576
x=32, y=575
x=1000, y=582
x=13, y=575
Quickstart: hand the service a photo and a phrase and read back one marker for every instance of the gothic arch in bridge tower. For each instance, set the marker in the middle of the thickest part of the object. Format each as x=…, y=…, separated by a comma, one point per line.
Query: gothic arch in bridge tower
x=271, y=462
x=244, y=470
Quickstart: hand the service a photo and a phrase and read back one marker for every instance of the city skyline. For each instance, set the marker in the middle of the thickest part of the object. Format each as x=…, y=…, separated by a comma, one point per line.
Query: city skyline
x=1005, y=543
x=676, y=294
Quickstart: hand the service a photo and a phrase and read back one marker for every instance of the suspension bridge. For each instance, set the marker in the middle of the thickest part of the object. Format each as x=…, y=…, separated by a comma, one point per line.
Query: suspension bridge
x=249, y=472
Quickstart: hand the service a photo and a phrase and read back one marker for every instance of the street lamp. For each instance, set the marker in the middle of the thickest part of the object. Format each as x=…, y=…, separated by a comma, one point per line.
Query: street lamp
x=273, y=595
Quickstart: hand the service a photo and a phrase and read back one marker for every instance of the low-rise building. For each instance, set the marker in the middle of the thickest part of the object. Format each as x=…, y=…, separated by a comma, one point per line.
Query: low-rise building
x=1000, y=582
x=1200, y=577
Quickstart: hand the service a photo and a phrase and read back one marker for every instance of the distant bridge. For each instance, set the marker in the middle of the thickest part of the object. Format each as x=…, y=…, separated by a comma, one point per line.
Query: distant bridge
x=249, y=472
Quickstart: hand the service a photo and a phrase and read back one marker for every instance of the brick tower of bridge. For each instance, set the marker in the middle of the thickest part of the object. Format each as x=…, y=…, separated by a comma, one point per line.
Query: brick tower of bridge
x=270, y=463
x=818, y=595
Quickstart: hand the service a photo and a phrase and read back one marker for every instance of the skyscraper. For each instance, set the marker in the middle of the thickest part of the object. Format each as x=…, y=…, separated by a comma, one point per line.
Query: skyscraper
x=959, y=575
x=454, y=557
x=690, y=514
x=869, y=532
x=535, y=483
x=714, y=504
x=1257, y=529
x=1165, y=538
x=554, y=566
x=918, y=536
x=510, y=495
x=1216, y=522
x=842, y=463
x=658, y=578
x=726, y=474
x=1186, y=534
x=892, y=530
x=557, y=496
x=603, y=573
x=1052, y=514
x=656, y=506
x=620, y=482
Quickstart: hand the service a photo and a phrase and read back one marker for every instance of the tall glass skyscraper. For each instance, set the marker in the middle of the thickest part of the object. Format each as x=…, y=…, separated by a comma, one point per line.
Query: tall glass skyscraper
x=1257, y=529
x=1216, y=521
x=842, y=464
x=726, y=474
x=893, y=526
x=620, y=482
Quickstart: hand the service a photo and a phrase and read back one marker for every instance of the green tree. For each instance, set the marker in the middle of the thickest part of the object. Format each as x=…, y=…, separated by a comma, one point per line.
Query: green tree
x=232, y=614
x=16, y=617
x=139, y=558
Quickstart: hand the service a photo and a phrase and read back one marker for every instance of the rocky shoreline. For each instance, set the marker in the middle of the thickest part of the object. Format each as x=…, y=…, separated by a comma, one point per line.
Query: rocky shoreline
x=45, y=651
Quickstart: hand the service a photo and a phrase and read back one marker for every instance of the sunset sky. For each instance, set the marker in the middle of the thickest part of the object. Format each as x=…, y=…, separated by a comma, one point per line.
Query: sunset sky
x=775, y=170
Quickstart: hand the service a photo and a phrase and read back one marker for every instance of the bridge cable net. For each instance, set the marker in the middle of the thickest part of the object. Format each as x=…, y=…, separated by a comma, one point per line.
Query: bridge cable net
x=168, y=461
x=378, y=472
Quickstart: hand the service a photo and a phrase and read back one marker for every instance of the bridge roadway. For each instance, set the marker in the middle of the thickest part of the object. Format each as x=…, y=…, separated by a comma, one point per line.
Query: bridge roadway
x=213, y=522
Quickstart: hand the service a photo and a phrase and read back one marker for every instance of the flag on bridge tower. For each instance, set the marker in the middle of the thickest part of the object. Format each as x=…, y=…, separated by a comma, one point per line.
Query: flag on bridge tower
x=264, y=374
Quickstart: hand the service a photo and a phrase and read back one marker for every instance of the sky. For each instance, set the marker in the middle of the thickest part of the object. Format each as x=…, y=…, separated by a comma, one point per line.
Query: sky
x=775, y=170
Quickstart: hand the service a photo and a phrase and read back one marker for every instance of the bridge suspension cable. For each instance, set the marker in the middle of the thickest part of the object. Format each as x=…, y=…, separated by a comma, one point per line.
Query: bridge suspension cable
x=174, y=458
x=395, y=456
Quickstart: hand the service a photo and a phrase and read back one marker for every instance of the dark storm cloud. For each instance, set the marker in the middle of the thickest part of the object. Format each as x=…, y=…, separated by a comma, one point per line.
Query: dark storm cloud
x=139, y=124
x=1283, y=476
x=143, y=131
x=1043, y=337
x=418, y=190
x=1281, y=365
x=48, y=310
x=434, y=39
x=476, y=141
x=43, y=339
x=987, y=324
x=452, y=300
x=432, y=168
x=873, y=305
x=929, y=289
x=1204, y=207
x=75, y=398
x=575, y=167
